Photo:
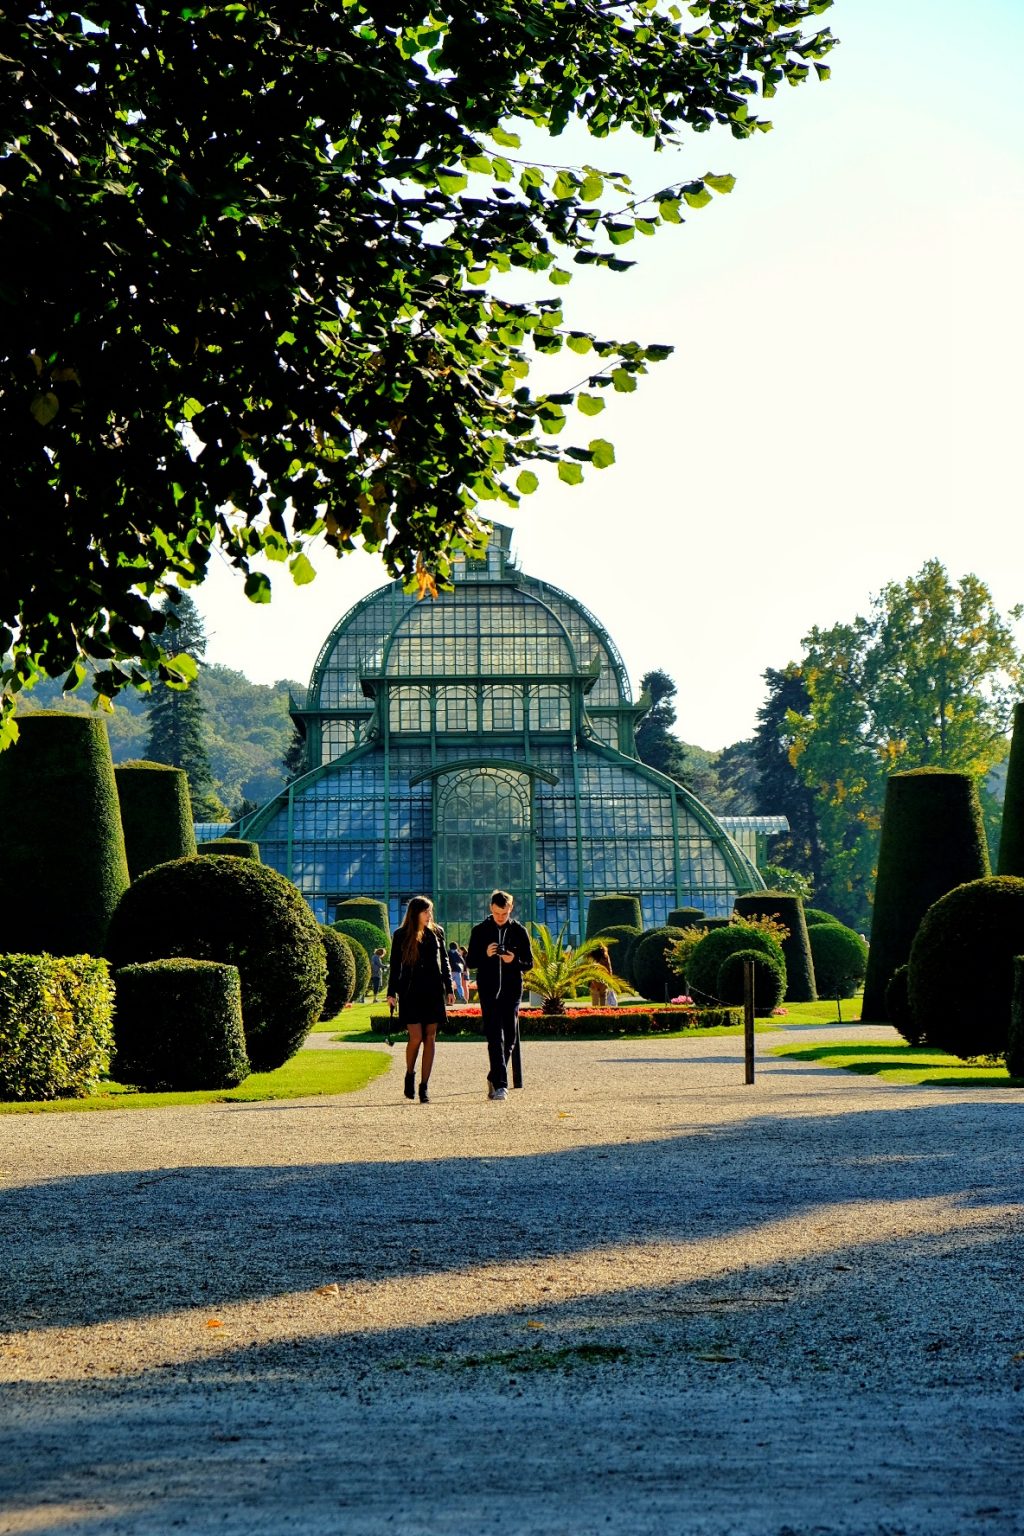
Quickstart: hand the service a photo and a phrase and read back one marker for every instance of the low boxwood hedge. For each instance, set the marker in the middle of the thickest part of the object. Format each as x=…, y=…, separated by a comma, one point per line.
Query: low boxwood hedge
x=366, y=934
x=56, y=1026
x=361, y=961
x=179, y=1026
x=840, y=959
x=769, y=980
x=717, y=945
x=233, y=847
x=537, y=1025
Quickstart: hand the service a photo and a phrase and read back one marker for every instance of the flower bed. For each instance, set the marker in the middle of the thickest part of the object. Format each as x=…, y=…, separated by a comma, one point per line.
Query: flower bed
x=536, y=1025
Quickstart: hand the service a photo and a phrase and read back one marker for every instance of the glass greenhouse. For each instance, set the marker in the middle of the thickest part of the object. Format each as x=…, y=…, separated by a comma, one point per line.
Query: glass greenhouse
x=482, y=739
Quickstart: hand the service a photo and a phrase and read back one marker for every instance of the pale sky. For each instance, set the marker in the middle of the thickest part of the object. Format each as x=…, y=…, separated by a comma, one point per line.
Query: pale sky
x=844, y=402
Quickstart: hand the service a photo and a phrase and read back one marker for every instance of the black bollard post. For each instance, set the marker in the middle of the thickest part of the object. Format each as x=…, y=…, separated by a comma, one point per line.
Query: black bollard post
x=748, y=1020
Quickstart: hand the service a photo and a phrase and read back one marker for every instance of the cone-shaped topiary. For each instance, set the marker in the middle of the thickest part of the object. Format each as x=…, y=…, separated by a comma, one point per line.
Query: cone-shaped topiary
x=156, y=814
x=787, y=909
x=179, y=1026
x=814, y=915
x=625, y=936
x=239, y=913
x=341, y=972
x=365, y=910
x=712, y=922
x=961, y=966
x=707, y=959
x=1015, y=1039
x=769, y=980
x=932, y=840
x=897, y=1001
x=1011, y=836
x=361, y=961
x=232, y=847
x=840, y=959
x=366, y=934
x=684, y=917
x=62, y=861
x=651, y=974
x=612, y=912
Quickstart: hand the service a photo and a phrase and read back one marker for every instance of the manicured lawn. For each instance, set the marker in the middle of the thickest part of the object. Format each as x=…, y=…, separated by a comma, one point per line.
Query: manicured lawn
x=822, y=1012
x=904, y=1064
x=308, y=1074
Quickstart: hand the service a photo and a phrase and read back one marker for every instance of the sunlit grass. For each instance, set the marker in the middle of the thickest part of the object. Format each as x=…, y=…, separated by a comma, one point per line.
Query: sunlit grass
x=309, y=1074
x=917, y=1065
x=824, y=1011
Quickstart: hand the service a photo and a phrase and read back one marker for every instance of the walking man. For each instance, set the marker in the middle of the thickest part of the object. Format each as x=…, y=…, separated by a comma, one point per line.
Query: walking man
x=500, y=953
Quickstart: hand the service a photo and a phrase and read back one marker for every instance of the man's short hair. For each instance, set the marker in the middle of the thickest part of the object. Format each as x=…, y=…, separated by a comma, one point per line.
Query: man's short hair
x=501, y=899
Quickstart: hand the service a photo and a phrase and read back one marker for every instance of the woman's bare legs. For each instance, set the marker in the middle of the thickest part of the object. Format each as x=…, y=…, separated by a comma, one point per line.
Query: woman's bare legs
x=429, y=1044
x=412, y=1048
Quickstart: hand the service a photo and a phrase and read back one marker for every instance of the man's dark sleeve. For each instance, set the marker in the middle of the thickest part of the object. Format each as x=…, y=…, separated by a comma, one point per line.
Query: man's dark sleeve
x=394, y=967
x=445, y=961
x=477, y=952
x=525, y=951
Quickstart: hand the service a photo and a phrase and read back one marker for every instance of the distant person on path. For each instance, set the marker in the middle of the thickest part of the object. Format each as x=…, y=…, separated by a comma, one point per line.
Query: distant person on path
x=376, y=971
x=458, y=966
x=420, y=980
x=501, y=954
x=599, y=990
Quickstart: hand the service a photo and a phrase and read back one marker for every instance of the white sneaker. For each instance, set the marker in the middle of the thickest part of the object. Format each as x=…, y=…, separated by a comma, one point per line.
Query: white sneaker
x=499, y=1095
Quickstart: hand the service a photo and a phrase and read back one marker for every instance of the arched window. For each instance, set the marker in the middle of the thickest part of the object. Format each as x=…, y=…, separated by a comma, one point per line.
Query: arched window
x=503, y=708
x=456, y=710
x=410, y=709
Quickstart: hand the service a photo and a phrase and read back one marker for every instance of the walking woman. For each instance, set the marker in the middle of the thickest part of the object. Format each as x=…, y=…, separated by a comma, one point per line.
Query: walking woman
x=420, y=977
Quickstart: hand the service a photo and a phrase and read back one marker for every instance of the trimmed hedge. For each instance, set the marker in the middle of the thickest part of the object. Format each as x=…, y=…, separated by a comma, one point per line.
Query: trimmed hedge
x=366, y=934
x=625, y=936
x=365, y=910
x=1011, y=836
x=341, y=972
x=840, y=959
x=156, y=814
x=796, y=950
x=897, y=1001
x=1015, y=1039
x=179, y=1026
x=233, y=847
x=56, y=1025
x=933, y=840
x=815, y=915
x=62, y=861
x=683, y=917
x=716, y=947
x=769, y=980
x=961, y=966
x=612, y=912
x=361, y=961
x=240, y=913
x=586, y=1021
x=710, y=923
x=648, y=960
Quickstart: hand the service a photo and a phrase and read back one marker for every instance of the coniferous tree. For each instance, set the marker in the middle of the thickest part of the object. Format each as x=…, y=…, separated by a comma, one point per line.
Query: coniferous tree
x=295, y=756
x=176, y=715
x=655, y=744
x=781, y=791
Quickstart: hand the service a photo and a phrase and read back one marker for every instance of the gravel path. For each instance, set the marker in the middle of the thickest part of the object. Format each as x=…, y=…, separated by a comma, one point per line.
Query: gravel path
x=639, y=1297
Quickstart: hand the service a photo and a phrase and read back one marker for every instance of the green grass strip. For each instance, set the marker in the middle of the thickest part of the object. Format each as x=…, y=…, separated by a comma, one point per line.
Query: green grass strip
x=916, y=1065
x=309, y=1074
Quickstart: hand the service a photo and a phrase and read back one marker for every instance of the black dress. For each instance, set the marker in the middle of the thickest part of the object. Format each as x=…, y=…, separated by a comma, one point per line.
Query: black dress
x=421, y=988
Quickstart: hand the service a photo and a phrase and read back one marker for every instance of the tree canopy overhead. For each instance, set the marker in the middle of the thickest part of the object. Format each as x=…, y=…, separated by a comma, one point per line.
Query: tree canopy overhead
x=247, y=254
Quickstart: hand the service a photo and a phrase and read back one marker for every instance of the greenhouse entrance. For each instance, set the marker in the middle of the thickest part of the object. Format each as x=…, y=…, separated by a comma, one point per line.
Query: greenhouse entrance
x=483, y=840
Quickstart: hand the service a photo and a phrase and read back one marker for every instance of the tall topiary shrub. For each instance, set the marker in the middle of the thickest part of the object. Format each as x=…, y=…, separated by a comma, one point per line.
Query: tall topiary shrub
x=232, y=848
x=366, y=934
x=341, y=972
x=815, y=915
x=612, y=912
x=684, y=917
x=56, y=1018
x=156, y=814
x=787, y=909
x=652, y=975
x=366, y=910
x=714, y=949
x=711, y=922
x=361, y=961
x=179, y=1026
x=625, y=936
x=240, y=913
x=933, y=839
x=961, y=966
x=1011, y=836
x=62, y=861
x=840, y=959
x=897, y=1001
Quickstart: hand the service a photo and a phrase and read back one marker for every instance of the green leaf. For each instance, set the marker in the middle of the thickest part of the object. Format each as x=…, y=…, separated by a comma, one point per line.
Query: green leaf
x=590, y=405
x=564, y=185
x=620, y=234
x=602, y=453
x=721, y=184
x=506, y=140
x=186, y=667
x=192, y=408
x=479, y=164
x=302, y=572
x=527, y=482
x=669, y=211
x=451, y=182
x=593, y=186
x=697, y=195
x=559, y=277
x=624, y=382
x=257, y=587
x=576, y=341
x=45, y=407
x=572, y=474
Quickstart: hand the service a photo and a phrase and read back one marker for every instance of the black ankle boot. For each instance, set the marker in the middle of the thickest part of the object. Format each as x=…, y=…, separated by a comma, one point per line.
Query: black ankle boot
x=424, y=1095
x=410, y=1085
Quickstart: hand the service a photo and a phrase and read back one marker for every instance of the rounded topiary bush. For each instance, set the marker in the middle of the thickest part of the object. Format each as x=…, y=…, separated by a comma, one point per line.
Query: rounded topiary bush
x=651, y=974
x=933, y=840
x=1011, y=834
x=716, y=947
x=341, y=972
x=840, y=959
x=769, y=980
x=1015, y=1038
x=612, y=912
x=361, y=961
x=233, y=847
x=179, y=1026
x=156, y=814
x=366, y=934
x=961, y=966
x=897, y=1002
x=364, y=909
x=625, y=936
x=788, y=909
x=684, y=917
x=56, y=1026
x=239, y=913
x=62, y=861
x=814, y=915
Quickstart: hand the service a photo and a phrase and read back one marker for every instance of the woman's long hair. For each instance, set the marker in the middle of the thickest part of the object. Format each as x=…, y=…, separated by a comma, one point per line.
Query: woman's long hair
x=410, y=929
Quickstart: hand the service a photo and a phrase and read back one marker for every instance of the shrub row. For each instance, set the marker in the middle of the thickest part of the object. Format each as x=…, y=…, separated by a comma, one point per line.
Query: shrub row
x=796, y=950
x=55, y=1025
x=614, y=1021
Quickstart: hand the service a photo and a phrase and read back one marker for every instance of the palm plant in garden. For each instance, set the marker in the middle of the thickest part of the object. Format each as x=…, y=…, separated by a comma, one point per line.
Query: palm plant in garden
x=559, y=973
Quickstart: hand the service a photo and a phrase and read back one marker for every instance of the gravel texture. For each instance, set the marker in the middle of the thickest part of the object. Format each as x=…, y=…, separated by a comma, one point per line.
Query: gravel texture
x=640, y=1297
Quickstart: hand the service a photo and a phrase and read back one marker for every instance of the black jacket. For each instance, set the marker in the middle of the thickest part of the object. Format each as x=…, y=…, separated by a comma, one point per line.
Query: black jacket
x=499, y=978
x=397, y=981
